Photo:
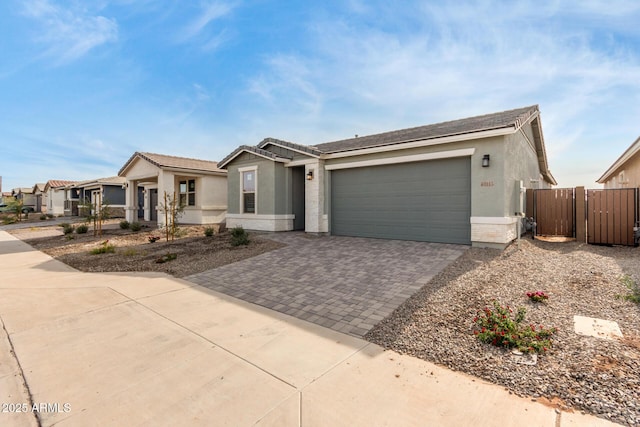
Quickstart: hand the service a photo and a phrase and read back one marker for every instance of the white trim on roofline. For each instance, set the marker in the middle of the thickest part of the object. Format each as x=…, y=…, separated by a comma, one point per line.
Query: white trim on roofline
x=422, y=143
x=404, y=159
x=260, y=216
x=295, y=163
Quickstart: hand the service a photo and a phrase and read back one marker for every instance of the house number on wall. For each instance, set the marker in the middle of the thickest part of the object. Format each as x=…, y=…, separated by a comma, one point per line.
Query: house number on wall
x=486, y=184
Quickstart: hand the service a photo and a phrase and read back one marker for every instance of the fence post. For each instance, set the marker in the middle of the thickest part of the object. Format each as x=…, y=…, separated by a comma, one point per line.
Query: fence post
x=581, y=215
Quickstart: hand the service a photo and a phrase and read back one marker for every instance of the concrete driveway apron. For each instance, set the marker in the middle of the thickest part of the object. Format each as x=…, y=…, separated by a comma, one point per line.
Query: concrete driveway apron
x=347, y=284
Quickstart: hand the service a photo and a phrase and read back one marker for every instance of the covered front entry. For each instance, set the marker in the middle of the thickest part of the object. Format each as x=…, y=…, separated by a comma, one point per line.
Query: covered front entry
x=423, y=201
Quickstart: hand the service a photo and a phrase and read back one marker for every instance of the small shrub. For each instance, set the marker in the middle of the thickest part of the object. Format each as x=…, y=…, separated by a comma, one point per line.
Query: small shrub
x=166, y=258
x=538, y=296
x=497, y=327
x=49, y=216
x=43, y=217
x=239, y=236
x=9, y=220
x=124, y=224
x=634, y=289
x=153, y=239
x=104, y=248
x=69, y=236
x=135, y=226
x=130, y=252
x=82, y=229
x=208, y=231
x=67, y=228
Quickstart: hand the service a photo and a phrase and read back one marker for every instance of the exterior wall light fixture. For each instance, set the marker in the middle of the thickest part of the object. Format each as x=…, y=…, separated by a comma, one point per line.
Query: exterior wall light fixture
x=485, y=161
x=310, y=175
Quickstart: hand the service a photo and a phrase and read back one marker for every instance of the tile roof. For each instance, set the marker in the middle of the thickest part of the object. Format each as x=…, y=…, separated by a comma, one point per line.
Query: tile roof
x=39, y=187
x=500, y=120
x=255, y=150
x=56, y=183
x=299, y=147
x=165, y=161
x=108, y=180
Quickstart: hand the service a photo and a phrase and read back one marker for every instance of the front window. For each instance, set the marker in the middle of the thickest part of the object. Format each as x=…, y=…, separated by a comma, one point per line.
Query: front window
x=188, y=192
x=249, y=191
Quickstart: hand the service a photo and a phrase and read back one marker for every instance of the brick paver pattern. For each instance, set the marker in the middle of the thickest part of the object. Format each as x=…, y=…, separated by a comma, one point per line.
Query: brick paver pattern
x=344, y=283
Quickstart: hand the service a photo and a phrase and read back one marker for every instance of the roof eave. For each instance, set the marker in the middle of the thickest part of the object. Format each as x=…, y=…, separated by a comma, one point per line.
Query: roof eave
x=628, y=154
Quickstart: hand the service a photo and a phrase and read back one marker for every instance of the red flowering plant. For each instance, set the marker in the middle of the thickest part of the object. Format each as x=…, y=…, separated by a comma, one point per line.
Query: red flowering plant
x=500, y=327
x=538, y=296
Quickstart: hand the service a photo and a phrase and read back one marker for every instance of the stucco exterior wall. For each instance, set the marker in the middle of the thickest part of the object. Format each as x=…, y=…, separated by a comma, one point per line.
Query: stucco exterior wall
x=55, y=201
x=626, y=176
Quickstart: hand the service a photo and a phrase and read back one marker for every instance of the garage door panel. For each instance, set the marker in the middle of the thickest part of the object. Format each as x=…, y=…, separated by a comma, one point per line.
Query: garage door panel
x=425, y=201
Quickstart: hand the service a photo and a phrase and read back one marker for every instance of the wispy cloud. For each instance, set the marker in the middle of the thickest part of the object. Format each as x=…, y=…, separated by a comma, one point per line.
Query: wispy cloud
x=68, y=33
x=200, y=27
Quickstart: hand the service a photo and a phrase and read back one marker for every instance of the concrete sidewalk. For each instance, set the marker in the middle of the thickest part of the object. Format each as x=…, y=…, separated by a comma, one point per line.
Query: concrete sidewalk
x=148, y=349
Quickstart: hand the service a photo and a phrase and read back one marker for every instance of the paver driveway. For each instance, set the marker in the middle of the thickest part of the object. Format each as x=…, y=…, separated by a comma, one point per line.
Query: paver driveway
x=344, y=283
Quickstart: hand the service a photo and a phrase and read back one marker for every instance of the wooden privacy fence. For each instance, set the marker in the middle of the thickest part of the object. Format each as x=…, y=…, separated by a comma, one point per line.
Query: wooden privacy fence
x=611, y=215
x=595, y=216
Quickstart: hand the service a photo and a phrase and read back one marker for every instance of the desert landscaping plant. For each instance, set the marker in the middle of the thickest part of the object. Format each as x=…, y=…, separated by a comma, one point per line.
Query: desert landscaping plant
x=43, y=217
x=49, y=215
x=538, y=296
x=135, y=226
x=498, y=326
x=96, y=212
x=166, y=258
x=153, y=239
x=634, y=289
x=239, y=236
x=208, y=231
x=82, y=229
x=172, y=208
x=67, y=228
x=104, y=248
x=124, y=224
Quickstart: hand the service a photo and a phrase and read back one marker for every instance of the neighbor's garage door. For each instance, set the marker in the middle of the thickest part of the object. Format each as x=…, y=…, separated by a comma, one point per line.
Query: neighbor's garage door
x=426, y=201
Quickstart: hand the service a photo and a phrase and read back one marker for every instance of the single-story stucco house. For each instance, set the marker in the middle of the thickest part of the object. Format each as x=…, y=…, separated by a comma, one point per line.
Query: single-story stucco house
x=624, y=172
x=108, y=191
x=455, y=182
x=199, y=185
x=25, y=194
x=40, y=197
x=56, y=193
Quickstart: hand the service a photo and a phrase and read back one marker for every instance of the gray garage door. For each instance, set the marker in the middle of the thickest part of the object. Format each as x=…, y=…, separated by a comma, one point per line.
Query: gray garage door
x=426, y=201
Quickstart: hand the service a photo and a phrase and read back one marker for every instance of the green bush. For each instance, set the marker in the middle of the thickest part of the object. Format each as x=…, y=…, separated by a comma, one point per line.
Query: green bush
x=135, y=226
x=124, y=224
x=82, y=229
x=43, y=217
x=634, y=289
x=208, y=231
x=239, y=236
x=49, y=216
x=67, y=228
x=104, y=248
x=497, y=327
x=9, y=220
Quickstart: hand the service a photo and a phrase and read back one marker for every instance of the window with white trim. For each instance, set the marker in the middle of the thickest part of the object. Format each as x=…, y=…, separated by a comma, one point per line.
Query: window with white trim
x=188, y=192
x=249, y=191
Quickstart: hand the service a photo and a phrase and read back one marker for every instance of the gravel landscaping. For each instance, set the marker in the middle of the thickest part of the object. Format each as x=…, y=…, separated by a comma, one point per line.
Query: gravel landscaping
x=583, y=373
x=194, y=252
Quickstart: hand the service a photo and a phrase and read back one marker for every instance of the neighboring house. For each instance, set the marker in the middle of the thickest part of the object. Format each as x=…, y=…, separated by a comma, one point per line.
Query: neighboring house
x=56, y=191
x=26, y=195
x=199, y=185
x=107, y=191
x=457, y=182
x=40, y=197
x=624, y=172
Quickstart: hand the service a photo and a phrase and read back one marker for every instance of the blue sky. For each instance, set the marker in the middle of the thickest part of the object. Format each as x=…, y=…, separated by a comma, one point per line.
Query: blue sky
x=84, y=84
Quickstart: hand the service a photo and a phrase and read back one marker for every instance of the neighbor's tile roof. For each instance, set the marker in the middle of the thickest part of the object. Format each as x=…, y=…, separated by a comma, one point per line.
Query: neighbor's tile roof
x=55, y=183
x=164, y=161
x=500, y=120
x=107, y=180
x=39, y=186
